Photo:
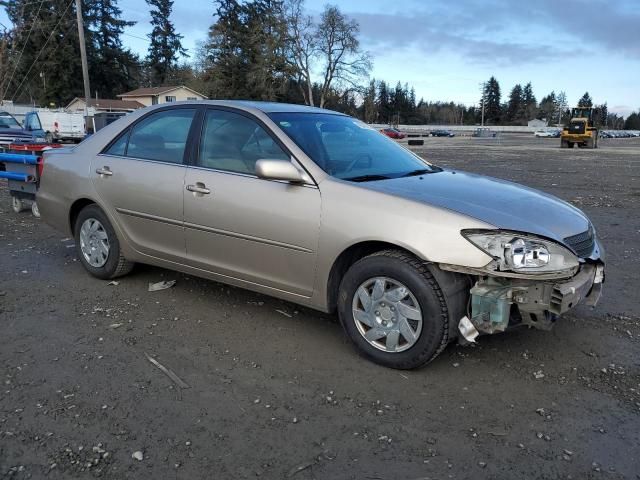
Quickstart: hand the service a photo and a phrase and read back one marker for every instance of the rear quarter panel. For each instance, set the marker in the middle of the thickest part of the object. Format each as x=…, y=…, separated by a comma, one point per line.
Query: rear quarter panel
x=65, y=179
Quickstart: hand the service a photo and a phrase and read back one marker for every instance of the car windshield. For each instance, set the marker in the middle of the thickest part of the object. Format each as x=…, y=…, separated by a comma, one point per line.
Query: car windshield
x=349, y=149
x=7, y=121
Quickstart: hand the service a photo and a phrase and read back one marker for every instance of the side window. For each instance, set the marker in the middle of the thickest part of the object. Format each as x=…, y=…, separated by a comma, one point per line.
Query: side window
x=233, y=143
x=31, y=122
x=119, y=147
x=161, y=136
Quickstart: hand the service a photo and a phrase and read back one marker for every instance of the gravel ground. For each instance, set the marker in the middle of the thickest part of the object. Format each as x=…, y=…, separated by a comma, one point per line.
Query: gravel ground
x=275, y=391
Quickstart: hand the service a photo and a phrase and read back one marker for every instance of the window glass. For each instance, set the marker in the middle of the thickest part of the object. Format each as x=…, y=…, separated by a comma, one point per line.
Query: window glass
x=233, y=142
x=7, y=121
x=169, y=98
x=161, y=136
x=349, y=149
x=119, y=146
x=32, y=122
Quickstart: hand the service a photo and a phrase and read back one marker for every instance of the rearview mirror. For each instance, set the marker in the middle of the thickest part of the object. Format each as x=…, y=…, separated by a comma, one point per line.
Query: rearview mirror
x=279, y=170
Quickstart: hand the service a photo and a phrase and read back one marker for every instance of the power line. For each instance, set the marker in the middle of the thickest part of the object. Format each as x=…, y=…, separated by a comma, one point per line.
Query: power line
x=42, y=49
x=15, y=67
x=64, y=35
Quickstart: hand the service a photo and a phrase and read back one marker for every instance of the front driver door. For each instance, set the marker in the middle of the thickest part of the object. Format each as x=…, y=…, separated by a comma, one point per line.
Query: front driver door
x=140, y=181
x=243, y=227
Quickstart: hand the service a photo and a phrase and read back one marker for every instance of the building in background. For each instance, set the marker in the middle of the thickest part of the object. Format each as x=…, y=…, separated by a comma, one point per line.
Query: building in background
x=103, y=105
x=536, y=123
x=157, y=95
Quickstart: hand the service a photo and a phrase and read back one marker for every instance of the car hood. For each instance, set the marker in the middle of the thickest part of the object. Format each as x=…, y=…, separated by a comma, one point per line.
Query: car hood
x=15, y=132
x=504, y=204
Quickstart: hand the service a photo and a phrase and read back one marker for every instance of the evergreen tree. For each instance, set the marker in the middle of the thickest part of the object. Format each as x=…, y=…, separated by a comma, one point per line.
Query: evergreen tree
x=165, y=45
x=112, y=68
x=585, y=101
x=246, y=53
x=369, y=107
x=547, y=107
x=515, y=104
x=384, y=107
x=491, y=101
x=632, y=122
x=530, y=103
x=43, y=41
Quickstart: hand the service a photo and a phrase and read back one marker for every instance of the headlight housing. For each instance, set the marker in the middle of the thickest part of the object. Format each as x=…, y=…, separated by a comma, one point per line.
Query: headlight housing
x=522, y=253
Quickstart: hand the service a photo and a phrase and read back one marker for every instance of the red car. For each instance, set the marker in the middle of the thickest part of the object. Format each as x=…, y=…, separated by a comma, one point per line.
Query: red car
x=393, y=133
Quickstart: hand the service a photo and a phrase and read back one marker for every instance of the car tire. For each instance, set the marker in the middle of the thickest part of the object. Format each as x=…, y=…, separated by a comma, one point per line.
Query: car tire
x=399, y=269
x=17, y=204
x=90, y=245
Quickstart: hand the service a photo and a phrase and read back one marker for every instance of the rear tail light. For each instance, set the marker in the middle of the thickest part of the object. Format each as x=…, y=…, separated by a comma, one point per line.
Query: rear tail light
x=40, y=166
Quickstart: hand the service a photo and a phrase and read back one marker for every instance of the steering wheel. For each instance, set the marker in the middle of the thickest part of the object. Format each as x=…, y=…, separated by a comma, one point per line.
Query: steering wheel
x=362, y=156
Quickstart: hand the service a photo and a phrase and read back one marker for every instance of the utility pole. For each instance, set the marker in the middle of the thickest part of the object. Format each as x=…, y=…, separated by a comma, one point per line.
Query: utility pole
x=83, y=58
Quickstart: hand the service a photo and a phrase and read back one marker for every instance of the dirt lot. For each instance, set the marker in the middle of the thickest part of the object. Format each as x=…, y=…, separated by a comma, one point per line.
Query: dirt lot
x=277, y=392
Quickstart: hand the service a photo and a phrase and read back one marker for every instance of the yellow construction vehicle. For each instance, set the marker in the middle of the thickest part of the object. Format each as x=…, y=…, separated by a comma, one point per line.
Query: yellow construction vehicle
x=582, y=129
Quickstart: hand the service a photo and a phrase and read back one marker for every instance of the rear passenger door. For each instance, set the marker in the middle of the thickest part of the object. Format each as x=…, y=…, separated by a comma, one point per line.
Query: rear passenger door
x=139, y=179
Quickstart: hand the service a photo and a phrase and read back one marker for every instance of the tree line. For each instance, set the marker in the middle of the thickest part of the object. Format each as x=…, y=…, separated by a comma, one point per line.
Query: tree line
x=255, y=49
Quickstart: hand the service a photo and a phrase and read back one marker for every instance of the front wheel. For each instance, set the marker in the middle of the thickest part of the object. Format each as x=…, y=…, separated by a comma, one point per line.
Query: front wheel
x=393, y=310
x=98, y=246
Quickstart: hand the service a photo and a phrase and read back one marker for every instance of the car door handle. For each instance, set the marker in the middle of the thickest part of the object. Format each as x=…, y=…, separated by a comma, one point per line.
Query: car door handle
x=104, y=171
x=199, y=188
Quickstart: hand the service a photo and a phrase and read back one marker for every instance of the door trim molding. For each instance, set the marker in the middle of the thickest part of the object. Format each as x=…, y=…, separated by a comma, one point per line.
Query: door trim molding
x=203, y=228
x=147, y=216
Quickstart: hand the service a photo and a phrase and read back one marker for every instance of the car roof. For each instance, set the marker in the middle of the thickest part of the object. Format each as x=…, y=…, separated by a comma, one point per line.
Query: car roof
x=266, y=107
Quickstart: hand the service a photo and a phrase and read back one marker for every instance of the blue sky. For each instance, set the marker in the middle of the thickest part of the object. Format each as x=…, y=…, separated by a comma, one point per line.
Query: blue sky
x=445, y=48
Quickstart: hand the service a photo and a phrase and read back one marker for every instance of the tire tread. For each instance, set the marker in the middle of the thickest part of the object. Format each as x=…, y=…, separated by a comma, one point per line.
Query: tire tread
x=423, y=269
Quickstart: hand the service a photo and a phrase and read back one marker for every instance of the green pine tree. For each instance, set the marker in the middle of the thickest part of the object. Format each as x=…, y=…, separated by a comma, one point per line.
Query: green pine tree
x=165, y=47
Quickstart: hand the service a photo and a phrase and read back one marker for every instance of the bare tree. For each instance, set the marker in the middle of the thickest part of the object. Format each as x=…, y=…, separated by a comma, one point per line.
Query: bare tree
x=330, y=47
x=344, y=63
x=302, y=46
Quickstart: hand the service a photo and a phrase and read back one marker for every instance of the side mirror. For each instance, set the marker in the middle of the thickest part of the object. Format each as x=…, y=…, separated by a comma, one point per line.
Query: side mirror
x=279, y=170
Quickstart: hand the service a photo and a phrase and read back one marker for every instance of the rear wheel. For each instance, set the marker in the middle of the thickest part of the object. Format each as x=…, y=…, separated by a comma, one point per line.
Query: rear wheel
x=17, y=204
x=393, y=310
x=98, y=246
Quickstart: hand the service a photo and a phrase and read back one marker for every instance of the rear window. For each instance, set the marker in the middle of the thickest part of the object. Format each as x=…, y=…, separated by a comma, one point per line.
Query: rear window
x=161, y=136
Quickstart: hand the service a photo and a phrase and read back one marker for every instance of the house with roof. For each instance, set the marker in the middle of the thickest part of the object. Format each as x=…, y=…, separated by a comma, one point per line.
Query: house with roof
x=103, y=105
x=157, y=95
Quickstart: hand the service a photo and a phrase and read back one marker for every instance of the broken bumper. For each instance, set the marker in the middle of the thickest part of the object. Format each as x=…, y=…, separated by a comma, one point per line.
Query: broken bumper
x=497, y=303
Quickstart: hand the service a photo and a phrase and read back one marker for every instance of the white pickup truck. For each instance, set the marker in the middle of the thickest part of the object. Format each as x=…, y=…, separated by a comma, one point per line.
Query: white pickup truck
x=55, y=126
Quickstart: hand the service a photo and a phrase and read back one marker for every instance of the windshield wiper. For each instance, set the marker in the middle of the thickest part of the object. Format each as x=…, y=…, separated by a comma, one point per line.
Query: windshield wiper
x=414, y=173
x=366, y=178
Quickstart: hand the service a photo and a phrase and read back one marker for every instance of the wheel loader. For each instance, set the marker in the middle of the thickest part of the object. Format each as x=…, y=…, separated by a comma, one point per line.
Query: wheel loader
x=582, y=129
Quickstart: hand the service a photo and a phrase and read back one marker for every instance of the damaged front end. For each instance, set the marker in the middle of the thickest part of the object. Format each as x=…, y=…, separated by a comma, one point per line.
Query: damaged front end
x=531, y=281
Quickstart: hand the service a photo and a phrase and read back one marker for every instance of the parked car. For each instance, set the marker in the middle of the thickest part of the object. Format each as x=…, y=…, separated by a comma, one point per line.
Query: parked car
x=55, y=126
x=442, y=133
x=315, y=207
x=554, y=133
x=11, y=131
x=484, y=132
x=393, y=133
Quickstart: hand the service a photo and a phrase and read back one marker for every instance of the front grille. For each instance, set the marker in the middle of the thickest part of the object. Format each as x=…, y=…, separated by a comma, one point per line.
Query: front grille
x=582, y=243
